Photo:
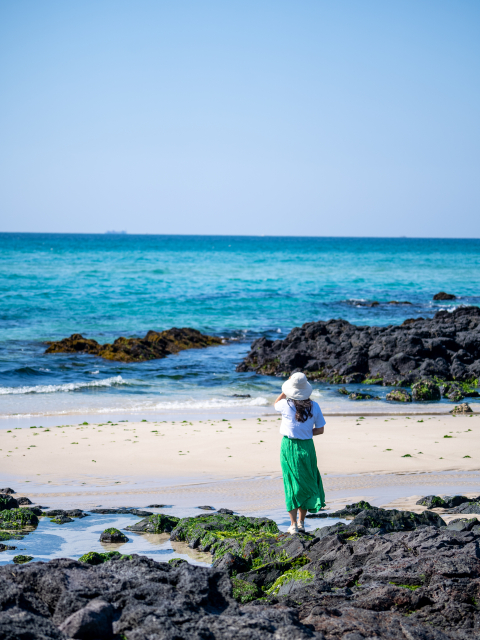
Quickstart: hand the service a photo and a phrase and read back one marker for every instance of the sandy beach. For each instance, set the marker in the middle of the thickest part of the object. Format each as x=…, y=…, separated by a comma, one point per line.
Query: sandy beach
x=382, y=458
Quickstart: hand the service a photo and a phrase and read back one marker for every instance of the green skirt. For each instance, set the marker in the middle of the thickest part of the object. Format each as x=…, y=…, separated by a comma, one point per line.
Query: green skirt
x=301, y=478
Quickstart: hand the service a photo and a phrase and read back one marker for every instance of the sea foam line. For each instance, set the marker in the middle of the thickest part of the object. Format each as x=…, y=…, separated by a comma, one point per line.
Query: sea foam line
x=213, y=403
x=70, y=386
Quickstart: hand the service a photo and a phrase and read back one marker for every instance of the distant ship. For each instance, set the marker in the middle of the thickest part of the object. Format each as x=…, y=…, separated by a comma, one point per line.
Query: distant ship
x=116, y=233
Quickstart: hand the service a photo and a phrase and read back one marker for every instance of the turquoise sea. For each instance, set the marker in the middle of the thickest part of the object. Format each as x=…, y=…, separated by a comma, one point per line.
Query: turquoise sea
x=104, y=286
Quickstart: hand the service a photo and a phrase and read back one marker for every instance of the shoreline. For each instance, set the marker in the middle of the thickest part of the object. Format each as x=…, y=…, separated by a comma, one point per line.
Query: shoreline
x=50, y=419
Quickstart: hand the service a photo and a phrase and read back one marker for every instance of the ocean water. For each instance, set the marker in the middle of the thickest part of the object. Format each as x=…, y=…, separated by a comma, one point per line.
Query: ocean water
x=240, y=288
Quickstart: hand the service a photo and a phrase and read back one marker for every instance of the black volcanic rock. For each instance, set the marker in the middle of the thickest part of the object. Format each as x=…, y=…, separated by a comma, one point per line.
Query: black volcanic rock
x=153, y=346
x=444, y=296
x=132, y=598
x=113, y=535
x=445, y=347
x=388, y=575
x=7, y=502
x=157, y=523
x=61, y=513
x=447, y=502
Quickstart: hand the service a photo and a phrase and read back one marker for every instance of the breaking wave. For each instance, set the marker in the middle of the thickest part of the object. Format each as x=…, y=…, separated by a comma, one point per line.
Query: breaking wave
x=55, y=388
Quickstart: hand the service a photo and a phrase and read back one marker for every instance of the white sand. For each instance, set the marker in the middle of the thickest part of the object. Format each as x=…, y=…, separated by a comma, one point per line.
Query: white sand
x=239, y=448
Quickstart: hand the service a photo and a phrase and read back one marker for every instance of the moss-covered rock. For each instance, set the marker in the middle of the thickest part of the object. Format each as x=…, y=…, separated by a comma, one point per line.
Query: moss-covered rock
x=158, y=523
x=289, y=580
x=93, y=557
x=153, y=346
x=17, y=519
x=356, y=395
x=220, y=532
x=426, y=391
x=399, y=395
x=244, y=591
x=432, y=502
x=113, y=535
x=9, y=536
x=22, y=559
x=177, y=562
x=61, y=520
x=237, y=543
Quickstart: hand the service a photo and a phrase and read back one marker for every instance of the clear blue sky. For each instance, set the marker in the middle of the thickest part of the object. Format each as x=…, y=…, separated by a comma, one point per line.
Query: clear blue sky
x=317, y=117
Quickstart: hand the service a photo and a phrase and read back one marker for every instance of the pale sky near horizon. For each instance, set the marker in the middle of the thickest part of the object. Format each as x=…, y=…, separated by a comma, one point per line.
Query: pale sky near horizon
x=242, y=117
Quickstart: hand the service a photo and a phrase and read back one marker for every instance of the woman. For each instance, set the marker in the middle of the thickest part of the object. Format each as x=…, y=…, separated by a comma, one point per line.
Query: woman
x=301, y=420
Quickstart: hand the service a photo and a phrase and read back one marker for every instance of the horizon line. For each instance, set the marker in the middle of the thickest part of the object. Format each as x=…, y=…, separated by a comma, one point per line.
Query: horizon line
x=125, y=234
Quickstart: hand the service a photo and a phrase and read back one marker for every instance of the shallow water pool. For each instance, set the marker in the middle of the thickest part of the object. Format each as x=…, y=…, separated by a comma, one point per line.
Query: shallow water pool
x=73, y=539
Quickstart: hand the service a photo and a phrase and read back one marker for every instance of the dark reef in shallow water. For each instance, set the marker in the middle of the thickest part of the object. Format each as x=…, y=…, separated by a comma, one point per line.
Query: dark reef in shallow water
x=446, y=347
x=153, y=346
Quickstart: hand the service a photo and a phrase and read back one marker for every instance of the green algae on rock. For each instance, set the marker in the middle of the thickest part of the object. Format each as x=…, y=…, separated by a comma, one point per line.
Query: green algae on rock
x=153, y=346
x=61, y=520
x=9, y=536
x=113, y=535
x=217, y=533
x=17, y=519
x=157, y=523
x=360, y=396
x=94, y=557
x=426, y=391
x=296, y=575
x=244, y=591
x=399, y=395
x=176, y=562
x=22, y=559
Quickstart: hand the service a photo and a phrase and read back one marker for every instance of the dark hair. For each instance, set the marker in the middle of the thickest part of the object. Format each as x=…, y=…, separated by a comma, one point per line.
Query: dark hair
x=303, y=409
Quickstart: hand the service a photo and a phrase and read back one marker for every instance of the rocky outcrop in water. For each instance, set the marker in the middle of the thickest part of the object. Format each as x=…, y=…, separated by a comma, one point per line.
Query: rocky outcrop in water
x=446, y=347
x=153, y=346
x=61, y=513
x=123, y=510
x=158, y=523
x=113, y=535
x=399, y=395
x=18, y=519
x=387, y=575
x=444, y=296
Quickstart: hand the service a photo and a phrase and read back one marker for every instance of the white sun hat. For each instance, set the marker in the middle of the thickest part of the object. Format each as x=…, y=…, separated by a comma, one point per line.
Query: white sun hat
x=297, y=387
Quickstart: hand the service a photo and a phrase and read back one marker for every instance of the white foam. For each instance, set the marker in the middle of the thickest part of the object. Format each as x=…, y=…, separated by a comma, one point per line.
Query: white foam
x=213, y=403
x=55, y=388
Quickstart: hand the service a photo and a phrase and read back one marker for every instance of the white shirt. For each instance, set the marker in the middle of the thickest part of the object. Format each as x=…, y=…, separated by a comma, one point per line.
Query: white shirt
x=299, y=430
